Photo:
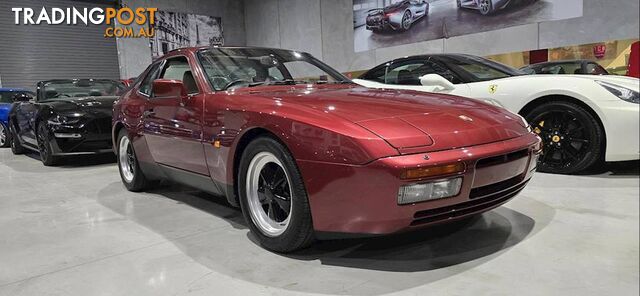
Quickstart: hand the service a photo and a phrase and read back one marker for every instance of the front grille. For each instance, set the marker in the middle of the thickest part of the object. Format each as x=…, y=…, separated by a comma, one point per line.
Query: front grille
x=99, y=126
x=494, y=188
x=474, y=206
x=495, y=160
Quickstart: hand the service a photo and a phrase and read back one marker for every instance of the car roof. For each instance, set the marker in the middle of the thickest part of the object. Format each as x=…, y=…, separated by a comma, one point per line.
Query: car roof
x=192, y=49
x=451, y=55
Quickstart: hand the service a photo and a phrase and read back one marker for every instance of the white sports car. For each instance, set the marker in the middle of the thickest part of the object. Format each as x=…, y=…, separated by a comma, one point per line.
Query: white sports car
x=582, y=119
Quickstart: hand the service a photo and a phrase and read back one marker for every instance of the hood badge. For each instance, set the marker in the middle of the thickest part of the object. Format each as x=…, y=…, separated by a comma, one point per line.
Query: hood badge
x=465, y=118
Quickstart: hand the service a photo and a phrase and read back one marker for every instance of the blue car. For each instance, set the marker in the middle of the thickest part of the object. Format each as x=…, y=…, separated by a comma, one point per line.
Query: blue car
x=7, y=97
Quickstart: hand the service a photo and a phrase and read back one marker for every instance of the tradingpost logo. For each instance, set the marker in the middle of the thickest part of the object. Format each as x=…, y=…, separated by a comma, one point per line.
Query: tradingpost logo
x=124, y=16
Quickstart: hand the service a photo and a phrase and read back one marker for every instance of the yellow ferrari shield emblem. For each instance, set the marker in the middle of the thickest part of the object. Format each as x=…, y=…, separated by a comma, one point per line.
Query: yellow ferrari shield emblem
x=493, y=88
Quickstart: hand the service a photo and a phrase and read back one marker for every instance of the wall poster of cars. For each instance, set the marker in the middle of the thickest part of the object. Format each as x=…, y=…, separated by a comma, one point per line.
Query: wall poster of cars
x=385, y=23
x=175, y=30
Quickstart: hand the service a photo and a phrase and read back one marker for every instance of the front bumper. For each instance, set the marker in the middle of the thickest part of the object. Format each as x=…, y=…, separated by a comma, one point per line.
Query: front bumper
x=89, y=137
x=363, y=199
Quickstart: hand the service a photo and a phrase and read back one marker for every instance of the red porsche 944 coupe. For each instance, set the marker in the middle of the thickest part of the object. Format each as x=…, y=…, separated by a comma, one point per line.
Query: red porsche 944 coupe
x=306, y=154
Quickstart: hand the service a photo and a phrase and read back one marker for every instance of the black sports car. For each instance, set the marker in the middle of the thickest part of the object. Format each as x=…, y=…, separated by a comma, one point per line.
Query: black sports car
x=68, y=117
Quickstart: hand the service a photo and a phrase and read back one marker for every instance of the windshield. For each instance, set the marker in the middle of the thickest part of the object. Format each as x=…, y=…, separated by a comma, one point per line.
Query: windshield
x=480, y=69
x=8, y=96
x=228, y=68
x=66, y=89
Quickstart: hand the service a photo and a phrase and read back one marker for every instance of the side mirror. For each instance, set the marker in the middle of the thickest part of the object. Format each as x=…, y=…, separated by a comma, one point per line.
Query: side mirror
x=168, y=88
x=436, y=80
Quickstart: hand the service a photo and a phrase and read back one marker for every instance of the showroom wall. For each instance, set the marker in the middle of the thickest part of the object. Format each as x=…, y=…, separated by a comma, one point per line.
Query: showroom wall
x=32, y=53
x=135, y=54
x=297, y=24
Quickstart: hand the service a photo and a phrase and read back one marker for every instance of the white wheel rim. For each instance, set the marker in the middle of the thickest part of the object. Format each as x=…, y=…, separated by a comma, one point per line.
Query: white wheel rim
x=3, y=135
x=126, y=159
x=260, y=195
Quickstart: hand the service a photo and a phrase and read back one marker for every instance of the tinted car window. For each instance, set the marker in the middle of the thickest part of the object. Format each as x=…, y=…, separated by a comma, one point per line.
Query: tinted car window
x=595, y=69
x=376, y=75
x=65, y=89
x=408, y=73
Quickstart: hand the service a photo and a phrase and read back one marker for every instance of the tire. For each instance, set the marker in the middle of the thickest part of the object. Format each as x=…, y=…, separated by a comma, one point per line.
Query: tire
x=4, y=136
x=16, y=147
x=459, y=3
x=406, y=21
x=262, y=162
x=572, y=137
x=44, y=146
x=128, y=166
x=486, y=7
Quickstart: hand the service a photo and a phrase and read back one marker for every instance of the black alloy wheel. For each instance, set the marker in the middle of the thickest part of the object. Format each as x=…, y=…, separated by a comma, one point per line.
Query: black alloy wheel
x=44, y=146
x=274, y=193
x=273, y=197
x=16, y=147
x=573, y=140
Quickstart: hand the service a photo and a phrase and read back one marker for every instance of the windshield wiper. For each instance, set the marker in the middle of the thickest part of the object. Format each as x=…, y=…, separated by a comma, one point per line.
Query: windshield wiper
x=277, y=82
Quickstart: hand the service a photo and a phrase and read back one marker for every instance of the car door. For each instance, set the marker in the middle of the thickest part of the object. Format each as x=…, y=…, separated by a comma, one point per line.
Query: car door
x=173, y=125
x=25, y=121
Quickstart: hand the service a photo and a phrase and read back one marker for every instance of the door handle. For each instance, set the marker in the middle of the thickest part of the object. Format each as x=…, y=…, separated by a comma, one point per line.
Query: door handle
x=148, y=113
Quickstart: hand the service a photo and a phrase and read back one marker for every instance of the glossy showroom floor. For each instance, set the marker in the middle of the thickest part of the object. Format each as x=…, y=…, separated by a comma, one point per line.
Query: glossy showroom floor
x=74, y=230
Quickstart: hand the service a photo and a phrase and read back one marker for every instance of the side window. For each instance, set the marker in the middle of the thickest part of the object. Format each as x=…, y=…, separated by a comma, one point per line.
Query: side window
x=145, y=85
x=178, y=69
x=444, y=72
x=593, y=68
x=408, y=72
x=376, y=75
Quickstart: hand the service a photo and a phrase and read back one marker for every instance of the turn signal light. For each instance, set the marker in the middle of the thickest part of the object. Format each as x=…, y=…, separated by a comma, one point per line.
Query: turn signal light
x=418, y=173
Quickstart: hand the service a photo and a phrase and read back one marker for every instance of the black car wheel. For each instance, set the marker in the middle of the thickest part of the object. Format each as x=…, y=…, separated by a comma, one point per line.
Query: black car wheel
x=16, y=147
x=130, y=172
x=44, y=146
x=4, y=136
x=573, y=140
x=485, y=6
x=459, y=3
x=406, y=20
x=273, y=198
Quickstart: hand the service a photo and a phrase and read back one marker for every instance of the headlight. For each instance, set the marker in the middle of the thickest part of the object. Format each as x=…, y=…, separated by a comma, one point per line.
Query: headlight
x=621, y=92
x=61, y=119
x=429, y=191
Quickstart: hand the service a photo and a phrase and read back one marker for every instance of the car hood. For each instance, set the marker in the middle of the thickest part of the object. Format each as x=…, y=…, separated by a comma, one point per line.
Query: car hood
x=98, y=106
x=408, y=119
